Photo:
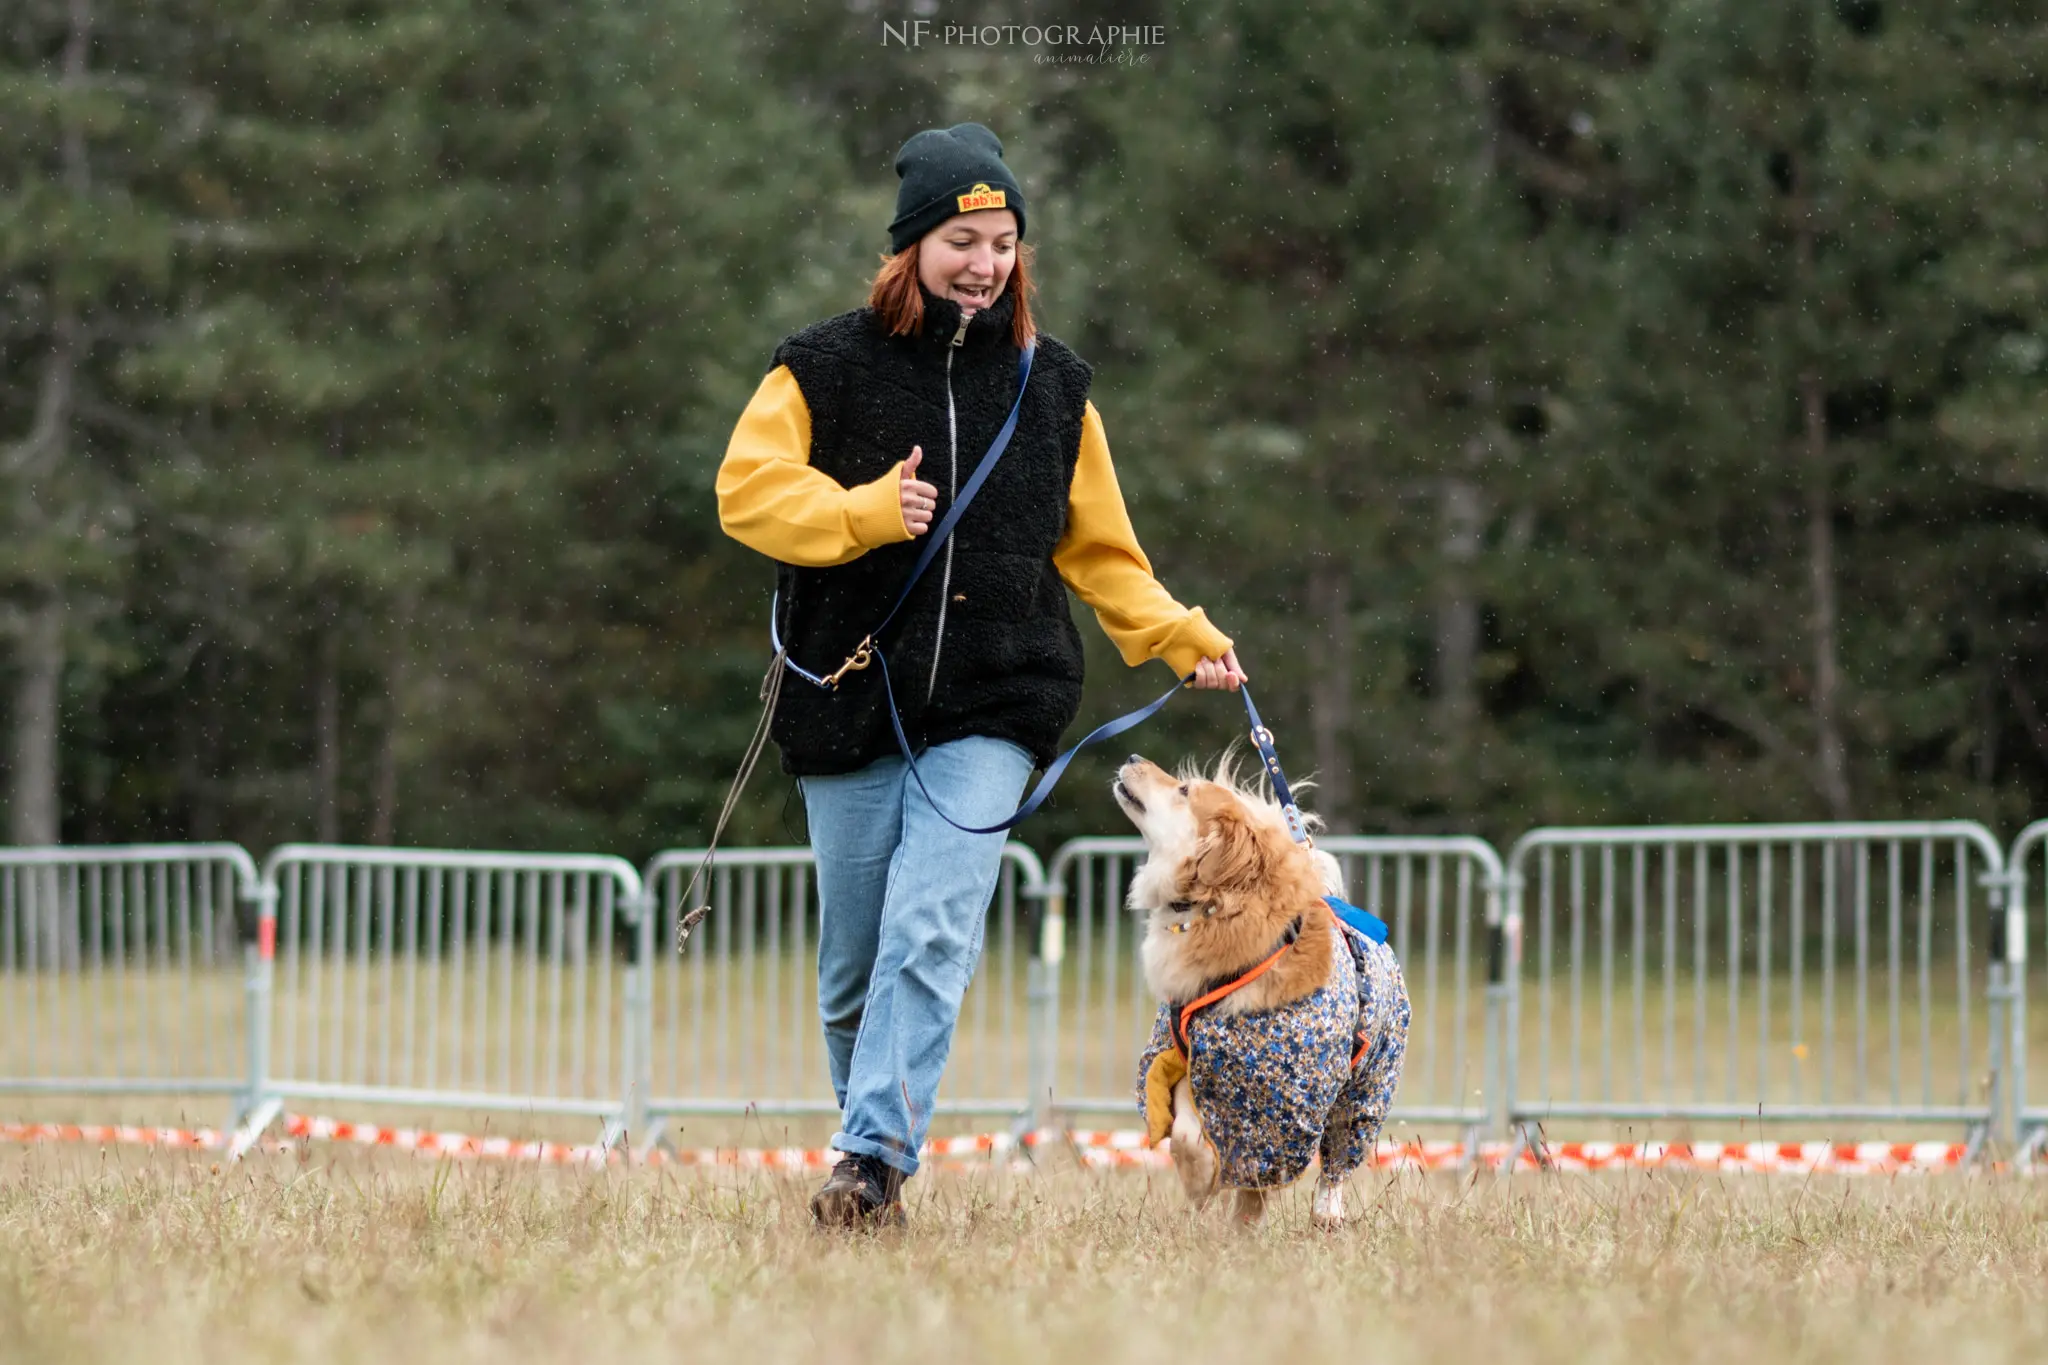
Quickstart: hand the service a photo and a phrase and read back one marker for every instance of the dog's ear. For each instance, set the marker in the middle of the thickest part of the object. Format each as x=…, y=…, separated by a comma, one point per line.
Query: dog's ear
x=1230, y=852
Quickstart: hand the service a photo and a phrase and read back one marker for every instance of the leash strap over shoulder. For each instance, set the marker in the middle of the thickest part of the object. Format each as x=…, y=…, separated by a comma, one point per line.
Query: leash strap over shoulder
x=869, y=649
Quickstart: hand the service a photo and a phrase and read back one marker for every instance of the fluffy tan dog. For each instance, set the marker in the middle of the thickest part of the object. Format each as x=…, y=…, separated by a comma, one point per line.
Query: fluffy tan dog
x=1299, y=1056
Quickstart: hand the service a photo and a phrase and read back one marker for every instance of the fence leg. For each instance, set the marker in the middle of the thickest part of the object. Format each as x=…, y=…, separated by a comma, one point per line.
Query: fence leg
x=1493, y=1075
x=1042, y=984
x=2014, y=888
x=1528, y=1138
x=1507, y=1033
x=259, y=981
x=1975, y=1138
x=2005, y=1012
x=250, y=1130
x=1994, y=1018
x=637, y=1063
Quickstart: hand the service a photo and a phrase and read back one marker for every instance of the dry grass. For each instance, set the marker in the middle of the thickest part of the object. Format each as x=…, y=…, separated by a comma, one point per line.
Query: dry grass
x=343, y=1257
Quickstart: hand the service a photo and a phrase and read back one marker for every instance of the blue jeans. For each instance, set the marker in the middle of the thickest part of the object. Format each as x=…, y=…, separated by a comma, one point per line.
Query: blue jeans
x=902, y=896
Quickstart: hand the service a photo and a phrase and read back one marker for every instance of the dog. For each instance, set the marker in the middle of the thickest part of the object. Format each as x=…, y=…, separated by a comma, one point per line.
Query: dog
x=1299, y=1057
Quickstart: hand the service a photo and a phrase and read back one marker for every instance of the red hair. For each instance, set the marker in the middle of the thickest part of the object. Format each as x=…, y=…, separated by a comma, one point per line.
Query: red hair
x=894, y=294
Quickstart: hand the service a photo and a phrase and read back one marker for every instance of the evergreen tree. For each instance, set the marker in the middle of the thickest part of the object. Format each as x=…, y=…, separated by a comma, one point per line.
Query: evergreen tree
x=1789, y=636
x=94, y=123
x=1578, y=409
x=458, y=363
x=1324, y=287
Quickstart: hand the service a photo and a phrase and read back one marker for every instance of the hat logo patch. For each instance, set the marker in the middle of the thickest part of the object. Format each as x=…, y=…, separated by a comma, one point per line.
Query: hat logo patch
x=982, y=197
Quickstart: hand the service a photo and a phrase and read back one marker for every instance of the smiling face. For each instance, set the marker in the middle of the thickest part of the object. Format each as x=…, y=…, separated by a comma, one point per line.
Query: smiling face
x=968, y=257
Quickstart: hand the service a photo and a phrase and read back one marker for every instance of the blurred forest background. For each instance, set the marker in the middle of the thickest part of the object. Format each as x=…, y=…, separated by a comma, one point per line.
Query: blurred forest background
x=1579, y=410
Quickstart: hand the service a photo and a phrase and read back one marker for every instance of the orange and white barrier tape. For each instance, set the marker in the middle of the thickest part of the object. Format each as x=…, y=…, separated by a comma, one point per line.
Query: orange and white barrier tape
x=427, y=1143
x=1099, y=1150
x=107, y=1133
x=112, y=1134
x=1788, y=1158
x=1126, y=1149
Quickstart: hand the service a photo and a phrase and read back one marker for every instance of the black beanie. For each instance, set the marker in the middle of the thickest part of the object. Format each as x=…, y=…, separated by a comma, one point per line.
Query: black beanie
x=947, y=171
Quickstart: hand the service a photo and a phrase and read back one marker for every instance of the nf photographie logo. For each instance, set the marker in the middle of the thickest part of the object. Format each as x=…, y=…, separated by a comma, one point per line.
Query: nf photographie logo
x=1094, y=43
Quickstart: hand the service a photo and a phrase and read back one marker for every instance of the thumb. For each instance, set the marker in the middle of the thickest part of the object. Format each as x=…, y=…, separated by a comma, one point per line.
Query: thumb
x=910, y=465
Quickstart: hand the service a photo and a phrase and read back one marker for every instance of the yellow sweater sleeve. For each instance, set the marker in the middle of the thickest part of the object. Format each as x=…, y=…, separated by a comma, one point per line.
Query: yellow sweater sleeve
x=1100, y=560
x=770, y=498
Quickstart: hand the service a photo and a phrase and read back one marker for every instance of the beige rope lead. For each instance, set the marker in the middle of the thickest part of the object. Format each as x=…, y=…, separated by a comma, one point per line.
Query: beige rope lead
x=771, y=691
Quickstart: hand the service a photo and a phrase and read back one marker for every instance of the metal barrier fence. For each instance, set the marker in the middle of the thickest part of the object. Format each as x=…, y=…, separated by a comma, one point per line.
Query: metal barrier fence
x=1820, y=973
x=733, y=1024
x=1854, y=975
x=126, y=970
x=1441, y=899
x=2031, y=1122
x=480, y=980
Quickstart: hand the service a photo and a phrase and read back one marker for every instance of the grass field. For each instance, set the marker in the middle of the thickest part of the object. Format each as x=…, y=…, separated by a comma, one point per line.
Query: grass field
x=339, y=1256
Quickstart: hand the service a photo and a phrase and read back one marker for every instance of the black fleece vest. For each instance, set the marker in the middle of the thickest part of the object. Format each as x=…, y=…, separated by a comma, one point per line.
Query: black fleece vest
x=985, y=645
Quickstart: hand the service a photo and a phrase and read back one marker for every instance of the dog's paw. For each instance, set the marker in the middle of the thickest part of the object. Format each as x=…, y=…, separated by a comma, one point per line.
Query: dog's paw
x=1194, y=1156
x=1199, y=1168
x=1249, y=1207
x=1326, y=1214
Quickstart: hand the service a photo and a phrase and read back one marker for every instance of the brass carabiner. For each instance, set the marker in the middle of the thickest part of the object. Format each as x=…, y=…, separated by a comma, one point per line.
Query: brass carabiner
x=859, y=659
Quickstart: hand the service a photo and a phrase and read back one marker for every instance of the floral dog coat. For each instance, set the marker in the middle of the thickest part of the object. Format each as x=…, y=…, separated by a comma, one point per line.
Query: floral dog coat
x=1275, y=1088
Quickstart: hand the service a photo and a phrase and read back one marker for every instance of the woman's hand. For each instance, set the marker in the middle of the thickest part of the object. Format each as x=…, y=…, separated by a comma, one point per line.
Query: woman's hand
x=1220, y=673
x=919, y=499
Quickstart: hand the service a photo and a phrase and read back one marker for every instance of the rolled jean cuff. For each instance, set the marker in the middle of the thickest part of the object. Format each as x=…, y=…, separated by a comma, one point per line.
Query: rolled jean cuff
x=903, y=1161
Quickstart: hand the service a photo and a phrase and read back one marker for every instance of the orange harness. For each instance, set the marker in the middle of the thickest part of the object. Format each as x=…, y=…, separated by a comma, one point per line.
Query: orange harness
x=1187, y=1011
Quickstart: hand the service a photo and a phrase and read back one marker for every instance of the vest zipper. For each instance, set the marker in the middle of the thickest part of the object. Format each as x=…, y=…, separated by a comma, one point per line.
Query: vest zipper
x=952, y=491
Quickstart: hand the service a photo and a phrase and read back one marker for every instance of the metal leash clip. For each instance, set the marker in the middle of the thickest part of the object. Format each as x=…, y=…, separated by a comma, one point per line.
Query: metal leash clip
x=861, y=657
x=1269, y=758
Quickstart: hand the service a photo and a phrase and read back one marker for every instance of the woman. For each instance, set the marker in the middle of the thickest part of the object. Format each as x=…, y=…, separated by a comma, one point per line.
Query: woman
x=851, y=450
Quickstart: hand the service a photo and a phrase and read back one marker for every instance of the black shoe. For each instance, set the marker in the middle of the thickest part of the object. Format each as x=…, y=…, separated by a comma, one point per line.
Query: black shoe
x=861, y=1192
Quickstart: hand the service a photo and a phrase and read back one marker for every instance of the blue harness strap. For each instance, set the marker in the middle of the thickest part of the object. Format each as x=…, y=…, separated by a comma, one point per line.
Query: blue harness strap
x=1364, y=921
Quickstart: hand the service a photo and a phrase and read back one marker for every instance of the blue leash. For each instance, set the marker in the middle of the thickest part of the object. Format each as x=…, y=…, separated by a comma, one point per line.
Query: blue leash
x=1363, y=921
x=1110, y=730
